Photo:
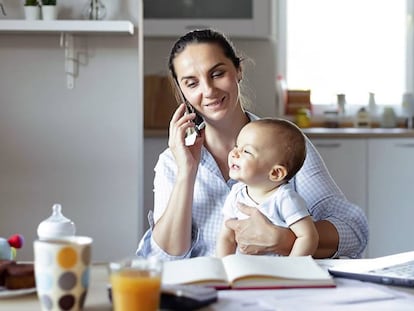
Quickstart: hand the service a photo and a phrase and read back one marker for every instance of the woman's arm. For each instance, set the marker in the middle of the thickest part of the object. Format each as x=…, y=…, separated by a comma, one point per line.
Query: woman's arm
x=172, y=231
x=328, y=244
x=164, y=183
x=174, y=181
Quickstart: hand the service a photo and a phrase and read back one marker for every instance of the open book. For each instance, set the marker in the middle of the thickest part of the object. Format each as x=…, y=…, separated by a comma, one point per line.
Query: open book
x=247, y=272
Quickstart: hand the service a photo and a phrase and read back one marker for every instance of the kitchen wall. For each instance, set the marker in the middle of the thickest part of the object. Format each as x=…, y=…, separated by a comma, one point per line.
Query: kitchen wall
x=259, y=87
x=81, y=147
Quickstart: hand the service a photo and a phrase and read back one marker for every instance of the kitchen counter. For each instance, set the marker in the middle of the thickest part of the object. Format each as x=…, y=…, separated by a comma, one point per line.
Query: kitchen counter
x=352, y=132
x=323, y=132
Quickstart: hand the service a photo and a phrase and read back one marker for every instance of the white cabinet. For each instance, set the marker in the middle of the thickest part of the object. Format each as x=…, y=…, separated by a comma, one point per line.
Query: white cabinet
x=345, y=159
x=236, y=18
x=391, y=196
x=376, y=174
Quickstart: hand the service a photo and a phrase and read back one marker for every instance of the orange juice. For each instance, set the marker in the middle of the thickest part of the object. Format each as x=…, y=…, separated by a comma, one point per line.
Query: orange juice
x=135, y=290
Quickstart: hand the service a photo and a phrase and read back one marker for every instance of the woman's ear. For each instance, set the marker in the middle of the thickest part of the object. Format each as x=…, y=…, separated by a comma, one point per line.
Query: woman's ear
x=239, y=75
x=277, y=173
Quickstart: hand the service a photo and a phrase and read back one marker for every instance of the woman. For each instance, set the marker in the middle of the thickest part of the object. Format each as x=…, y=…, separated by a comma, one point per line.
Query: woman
x=192, y=182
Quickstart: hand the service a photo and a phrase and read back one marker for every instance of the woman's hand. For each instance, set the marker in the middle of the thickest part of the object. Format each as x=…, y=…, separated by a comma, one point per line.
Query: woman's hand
x=257, y=235
x=186, y=157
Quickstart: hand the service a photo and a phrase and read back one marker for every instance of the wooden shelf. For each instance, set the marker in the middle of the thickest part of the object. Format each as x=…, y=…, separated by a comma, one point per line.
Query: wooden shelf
x=66, y=26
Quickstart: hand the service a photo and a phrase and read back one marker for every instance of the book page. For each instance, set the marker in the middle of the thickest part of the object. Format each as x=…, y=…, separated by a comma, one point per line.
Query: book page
x=298, y=268
x=194, y=270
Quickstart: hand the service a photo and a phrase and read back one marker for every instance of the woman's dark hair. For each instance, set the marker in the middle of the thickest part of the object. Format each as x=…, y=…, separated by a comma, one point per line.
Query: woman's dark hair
x=203, y=36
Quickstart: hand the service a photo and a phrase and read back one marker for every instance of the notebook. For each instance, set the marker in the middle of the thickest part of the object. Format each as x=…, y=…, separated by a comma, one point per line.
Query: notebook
x=397, y=269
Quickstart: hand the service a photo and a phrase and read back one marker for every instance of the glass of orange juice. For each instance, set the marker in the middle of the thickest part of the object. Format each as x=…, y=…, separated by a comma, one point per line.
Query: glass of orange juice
x=136, y=284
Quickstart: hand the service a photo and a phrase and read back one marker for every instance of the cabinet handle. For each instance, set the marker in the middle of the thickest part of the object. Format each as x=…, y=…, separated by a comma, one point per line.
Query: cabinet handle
x=405, y=145
x=328, y=145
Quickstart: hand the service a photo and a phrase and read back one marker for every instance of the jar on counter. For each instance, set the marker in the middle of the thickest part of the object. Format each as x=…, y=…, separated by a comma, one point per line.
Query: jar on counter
x=362, y=118
x=331, y=118
x=389, y=118
x=302, y=118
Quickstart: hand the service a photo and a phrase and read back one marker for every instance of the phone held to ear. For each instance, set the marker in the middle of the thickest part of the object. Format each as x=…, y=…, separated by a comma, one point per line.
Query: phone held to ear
x=192, y=133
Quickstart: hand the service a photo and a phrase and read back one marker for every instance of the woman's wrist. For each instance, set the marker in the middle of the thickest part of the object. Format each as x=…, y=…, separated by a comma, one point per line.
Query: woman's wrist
x=186, y=174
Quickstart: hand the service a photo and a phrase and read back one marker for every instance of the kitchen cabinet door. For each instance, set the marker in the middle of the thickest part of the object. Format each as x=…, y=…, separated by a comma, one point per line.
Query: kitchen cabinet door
x=236, y=18
x=391, y=196
x=345, y=159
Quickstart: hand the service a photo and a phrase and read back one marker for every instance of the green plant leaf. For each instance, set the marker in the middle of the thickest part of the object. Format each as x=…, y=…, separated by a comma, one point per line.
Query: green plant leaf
x=48, y=2
x=31, y=3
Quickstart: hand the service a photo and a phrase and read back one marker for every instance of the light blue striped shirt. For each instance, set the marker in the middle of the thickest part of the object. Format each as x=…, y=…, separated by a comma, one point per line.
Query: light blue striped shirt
x=313, y=182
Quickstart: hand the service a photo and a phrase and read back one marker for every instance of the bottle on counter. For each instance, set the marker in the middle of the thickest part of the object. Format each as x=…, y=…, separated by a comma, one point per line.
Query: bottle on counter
x=341, y=102
x=281, y=93
x=56, y=225
x=331, y=118
x=372, y=105
x=362, y=118
x=408, y=109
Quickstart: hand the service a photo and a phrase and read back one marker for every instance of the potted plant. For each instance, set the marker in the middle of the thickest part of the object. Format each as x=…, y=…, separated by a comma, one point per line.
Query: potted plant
x=49, y=9
x=31, y=9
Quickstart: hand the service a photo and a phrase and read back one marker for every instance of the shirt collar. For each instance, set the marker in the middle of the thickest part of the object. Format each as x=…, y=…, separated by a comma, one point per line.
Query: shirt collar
x=251, y=116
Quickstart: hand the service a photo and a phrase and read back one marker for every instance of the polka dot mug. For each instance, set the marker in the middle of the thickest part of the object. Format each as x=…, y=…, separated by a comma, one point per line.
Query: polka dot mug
x=62, y=272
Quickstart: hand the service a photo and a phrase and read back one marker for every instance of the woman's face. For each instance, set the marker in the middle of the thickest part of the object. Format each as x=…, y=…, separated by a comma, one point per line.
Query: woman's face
x=208, y=80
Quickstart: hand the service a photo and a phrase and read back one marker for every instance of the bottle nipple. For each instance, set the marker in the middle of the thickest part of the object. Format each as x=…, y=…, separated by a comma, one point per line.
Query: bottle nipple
x=56, y=225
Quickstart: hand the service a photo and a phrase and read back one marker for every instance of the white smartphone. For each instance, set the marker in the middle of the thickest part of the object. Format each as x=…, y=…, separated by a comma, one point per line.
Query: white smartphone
x=192, y=133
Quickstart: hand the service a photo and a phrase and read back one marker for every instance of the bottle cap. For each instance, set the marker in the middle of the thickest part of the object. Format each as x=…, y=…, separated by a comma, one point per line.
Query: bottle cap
x=56, y=225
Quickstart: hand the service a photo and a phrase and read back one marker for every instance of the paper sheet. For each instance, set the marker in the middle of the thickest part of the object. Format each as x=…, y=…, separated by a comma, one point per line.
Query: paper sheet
x=348, y=295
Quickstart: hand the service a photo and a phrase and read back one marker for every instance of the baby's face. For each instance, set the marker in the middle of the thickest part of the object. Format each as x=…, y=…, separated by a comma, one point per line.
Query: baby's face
x=251, y=160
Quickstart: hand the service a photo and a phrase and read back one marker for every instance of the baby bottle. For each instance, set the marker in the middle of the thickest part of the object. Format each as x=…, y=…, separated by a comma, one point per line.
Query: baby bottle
x=56, y=225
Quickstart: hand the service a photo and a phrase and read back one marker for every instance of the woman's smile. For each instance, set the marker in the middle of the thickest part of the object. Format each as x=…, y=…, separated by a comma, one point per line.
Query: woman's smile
x=214, y=104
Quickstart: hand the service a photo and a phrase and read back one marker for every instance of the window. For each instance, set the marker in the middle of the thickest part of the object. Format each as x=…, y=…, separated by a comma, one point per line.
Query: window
x=351, y=47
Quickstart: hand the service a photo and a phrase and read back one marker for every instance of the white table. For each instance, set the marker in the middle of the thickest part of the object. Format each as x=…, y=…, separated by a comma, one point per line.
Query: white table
x=348, y=295
x=97, y=298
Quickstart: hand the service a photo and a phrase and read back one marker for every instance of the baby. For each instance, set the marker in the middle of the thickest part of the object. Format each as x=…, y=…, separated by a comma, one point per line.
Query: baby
x=269, y=152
